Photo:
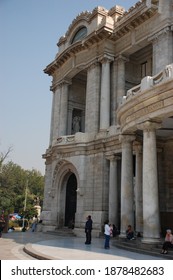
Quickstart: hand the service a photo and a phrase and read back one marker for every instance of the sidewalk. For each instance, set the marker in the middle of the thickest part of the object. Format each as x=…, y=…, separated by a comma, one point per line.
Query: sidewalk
x=51, y=247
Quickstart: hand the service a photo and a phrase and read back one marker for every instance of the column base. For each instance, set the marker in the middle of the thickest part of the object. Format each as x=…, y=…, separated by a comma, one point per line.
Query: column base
x=122, y=235
x=150, y=240
x=46, y=228
x=102, y=133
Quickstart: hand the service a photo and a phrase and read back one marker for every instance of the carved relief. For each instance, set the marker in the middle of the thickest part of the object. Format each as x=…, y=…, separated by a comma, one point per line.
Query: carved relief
x=59, y=164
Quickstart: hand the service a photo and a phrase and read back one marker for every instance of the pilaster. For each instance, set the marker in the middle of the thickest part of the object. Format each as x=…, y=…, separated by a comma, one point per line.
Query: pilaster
x=121, y=60
x=92, y=98
x=162, y=49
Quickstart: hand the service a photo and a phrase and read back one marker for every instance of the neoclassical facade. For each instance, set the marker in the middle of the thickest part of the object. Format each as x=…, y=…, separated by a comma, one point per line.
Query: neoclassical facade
x=111, y=138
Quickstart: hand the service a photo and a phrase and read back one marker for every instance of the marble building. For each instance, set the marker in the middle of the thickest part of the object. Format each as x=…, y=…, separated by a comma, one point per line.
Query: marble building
x=111, y=138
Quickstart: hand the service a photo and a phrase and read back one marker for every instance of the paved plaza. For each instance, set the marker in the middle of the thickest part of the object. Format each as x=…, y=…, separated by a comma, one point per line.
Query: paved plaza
x=52, y=247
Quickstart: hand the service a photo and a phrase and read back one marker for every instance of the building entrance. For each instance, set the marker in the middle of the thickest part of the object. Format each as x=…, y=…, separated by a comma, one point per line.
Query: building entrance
x=71, y=200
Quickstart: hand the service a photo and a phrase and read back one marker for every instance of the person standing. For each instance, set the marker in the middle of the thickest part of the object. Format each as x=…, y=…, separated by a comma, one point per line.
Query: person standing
x=107, y=234
x=2, y=225
x=34, y=223
x=88, y=229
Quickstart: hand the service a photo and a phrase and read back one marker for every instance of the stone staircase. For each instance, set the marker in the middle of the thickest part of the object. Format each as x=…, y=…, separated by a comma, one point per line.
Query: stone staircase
x=138, y=247
x=131, y=245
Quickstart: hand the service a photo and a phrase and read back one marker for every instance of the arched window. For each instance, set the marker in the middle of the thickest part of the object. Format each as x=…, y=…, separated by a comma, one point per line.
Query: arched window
x=81, y=33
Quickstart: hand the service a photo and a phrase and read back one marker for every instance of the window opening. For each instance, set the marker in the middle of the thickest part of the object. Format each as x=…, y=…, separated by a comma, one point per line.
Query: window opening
x=81, y=33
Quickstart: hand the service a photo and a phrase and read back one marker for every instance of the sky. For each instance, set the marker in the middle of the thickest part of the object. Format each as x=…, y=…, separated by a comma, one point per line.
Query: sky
x=29, y=32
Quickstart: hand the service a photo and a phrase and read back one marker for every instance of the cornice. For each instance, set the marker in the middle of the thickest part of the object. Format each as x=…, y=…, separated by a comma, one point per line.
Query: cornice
x=84, y=16
x=73, y=147
x=134, y=17
x=73, y=49
x=107, y=29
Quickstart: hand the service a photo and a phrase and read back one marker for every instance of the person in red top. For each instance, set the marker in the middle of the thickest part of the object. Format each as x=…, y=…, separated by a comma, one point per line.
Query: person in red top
x=168, y=242
x=2, y=224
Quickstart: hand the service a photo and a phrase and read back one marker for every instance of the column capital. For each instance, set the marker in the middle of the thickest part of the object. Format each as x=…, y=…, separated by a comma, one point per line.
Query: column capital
x=127, y=138
x=137, y=147
x=149, y=125
x=65, y=81
x=121, y=58
x=105, y=58
x=112, y=157
x=92, y=64
x=157, y=36
x=60, y=83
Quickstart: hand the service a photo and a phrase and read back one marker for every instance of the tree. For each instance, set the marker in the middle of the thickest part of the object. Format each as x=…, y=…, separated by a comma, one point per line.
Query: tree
x=4, y=155
x=13, y=183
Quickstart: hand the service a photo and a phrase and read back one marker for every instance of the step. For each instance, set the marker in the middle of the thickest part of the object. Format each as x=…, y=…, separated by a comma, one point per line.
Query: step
x=65, y=232
x=139, y=247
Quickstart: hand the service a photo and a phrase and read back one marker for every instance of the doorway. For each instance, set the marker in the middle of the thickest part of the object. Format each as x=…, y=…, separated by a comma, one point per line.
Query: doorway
x=71, y=201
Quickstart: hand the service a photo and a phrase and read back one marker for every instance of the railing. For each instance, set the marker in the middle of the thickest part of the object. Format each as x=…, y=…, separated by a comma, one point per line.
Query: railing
x=148, y=82
x=66, y=139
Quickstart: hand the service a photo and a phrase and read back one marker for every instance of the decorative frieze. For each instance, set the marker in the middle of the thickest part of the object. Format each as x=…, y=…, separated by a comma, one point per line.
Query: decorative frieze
x=144, y=111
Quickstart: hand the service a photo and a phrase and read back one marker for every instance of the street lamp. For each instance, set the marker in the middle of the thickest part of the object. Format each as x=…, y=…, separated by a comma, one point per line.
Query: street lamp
x=23, y=224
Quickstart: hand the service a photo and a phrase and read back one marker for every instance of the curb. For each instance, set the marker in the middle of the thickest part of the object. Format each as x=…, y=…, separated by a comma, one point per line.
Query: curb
x=28, y=249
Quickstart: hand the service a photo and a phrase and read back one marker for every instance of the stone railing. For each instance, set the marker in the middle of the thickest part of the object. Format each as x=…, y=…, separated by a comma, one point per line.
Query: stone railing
x=148, y=82
x=65, y=139
x=78, y=137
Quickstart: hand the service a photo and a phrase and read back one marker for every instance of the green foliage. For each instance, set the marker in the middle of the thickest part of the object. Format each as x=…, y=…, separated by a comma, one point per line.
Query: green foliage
x=17, y=186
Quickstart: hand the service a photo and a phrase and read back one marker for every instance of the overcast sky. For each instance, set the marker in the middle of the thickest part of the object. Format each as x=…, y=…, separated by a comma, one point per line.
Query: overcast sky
x=29, y=32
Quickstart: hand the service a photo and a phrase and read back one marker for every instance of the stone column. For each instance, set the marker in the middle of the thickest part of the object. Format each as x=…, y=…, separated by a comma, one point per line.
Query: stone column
x=162, y=49
x=121, y=60
x=113, y=189
x=114, y=105
x=63, y=109
x=138, y=189
x=151, y=220
x=69, y=121
x=83, y=121
x=105, y=94
x=127, y=193
x=54, y=133
x=92, y=98
x=52, y=119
